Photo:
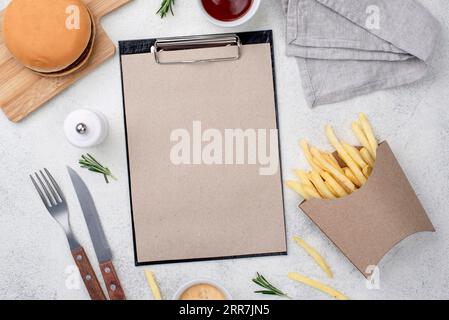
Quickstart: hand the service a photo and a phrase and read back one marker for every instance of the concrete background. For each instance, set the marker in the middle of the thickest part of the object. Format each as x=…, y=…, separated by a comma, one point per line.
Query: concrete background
x=34, y=256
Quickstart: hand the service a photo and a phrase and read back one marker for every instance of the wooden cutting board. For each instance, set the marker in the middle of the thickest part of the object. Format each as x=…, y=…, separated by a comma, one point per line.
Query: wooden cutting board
x=23, y=91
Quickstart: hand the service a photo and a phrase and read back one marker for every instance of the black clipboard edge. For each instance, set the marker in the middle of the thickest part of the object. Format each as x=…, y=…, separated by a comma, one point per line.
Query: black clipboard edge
x=142, y=46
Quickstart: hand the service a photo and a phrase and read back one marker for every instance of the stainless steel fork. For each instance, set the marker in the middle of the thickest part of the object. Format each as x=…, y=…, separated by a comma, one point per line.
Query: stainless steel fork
x=54, y=201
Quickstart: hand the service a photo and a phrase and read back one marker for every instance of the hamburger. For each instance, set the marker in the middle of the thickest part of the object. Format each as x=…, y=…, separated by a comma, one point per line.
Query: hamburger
x=50, y=37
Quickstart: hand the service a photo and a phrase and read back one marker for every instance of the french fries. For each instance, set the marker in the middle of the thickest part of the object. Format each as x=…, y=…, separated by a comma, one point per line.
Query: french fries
x=334, y=185
x=358, y=131
x=320, y=185
x=368, y=131
x=350, y=175
x=153, y=285
x=303, y=176
x=298, y=188
x=367, y=171
x=334, y=162
x=307, y=185
x=312, y=192
x=317, y=285
x=367, y=156
x=305, y=147
x=345, y=156
x=331, y=189
x=355, y=154
x=330, y=178
x=342, y=178
x=315, y=255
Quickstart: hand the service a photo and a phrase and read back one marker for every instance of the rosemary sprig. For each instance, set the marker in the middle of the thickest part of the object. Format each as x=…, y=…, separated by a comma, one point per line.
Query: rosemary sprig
x=269, y=288
x=88, y=162
x=166, y=6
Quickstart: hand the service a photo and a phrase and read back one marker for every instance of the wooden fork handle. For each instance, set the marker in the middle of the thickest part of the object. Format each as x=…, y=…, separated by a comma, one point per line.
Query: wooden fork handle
x=112, y=281
x=88, y=274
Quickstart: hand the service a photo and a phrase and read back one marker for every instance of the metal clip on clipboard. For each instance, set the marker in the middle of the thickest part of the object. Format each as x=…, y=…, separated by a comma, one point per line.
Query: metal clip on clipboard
x=197, y=42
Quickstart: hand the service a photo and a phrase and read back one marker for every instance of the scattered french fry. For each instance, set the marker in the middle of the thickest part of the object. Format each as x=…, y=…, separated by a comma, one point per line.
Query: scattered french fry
x=305, y=147
x=367, y=156
x=315, y=255
x=345, y=156
x=312, y=192
x=298, y=188
x=368, y=131
x=153, y=285
x=337, y=175
x=317, y=285
x=338, y=189
x=320, y=185
x=357, y=129
x=355, y=155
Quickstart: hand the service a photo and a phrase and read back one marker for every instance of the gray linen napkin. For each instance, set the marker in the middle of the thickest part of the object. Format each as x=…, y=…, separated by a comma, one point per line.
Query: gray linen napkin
x=346, y=48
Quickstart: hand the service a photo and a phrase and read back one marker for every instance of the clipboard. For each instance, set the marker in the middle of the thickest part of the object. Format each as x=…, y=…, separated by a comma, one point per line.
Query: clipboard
x=201, y=86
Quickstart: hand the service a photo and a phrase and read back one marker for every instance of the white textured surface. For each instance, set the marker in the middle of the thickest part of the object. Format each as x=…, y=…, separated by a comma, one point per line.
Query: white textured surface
x=414, y=119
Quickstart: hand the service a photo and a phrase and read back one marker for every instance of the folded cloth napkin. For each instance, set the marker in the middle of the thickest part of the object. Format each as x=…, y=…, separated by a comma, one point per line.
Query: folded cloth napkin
x=346, y=48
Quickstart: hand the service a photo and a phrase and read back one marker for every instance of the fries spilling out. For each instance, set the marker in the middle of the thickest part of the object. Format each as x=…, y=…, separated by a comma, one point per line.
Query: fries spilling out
x=332, y=178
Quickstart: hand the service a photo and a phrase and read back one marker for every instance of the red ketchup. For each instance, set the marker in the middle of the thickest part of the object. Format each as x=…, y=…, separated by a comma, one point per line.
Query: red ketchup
x=227, y=10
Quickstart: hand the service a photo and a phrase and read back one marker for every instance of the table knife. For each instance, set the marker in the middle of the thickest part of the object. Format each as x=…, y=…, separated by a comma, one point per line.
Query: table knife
x=101, y=246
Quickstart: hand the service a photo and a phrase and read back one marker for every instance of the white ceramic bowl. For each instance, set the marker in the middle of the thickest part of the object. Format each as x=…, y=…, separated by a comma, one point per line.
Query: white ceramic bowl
x=234, y=23
x=192, y=283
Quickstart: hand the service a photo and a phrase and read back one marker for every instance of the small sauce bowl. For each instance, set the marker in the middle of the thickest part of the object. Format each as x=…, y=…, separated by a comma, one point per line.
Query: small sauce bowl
x=255, y=4
x=201, y=282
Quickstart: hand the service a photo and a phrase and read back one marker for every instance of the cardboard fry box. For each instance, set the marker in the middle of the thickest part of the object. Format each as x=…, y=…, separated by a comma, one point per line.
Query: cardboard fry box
x=370, y=222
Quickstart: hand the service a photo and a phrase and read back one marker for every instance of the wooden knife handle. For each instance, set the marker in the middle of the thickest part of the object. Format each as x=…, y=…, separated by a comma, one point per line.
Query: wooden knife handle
x=112, y=281
x=88, y=274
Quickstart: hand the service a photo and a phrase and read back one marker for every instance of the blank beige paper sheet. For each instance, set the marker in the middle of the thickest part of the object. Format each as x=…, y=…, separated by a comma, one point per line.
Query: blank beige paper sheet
x=196, y=212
